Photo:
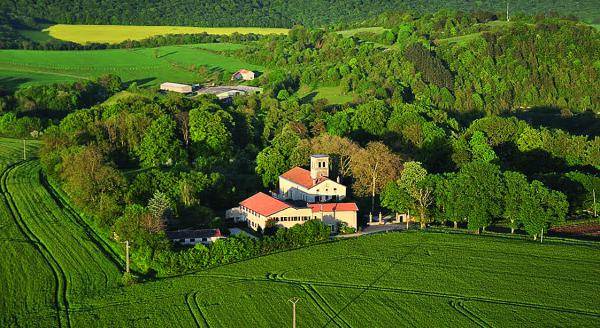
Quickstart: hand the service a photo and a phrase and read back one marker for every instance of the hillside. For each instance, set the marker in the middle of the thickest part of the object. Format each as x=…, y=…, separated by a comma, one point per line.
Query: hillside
x=268, y=13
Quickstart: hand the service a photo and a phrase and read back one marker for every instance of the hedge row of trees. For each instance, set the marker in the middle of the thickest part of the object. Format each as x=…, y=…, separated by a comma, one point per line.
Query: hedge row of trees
x=480, y=194
x=240, y=247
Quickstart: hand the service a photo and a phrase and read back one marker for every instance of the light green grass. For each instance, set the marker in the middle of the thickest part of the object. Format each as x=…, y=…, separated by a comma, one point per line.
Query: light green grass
x=333, y=94
x=117, y=33
x=51, y=258
x=352, y=32
x=462, y=39
x=173, y=63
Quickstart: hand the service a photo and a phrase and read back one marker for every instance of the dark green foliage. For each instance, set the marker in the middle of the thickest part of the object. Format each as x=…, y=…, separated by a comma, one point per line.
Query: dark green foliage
x=430, y=66
x=237, y=248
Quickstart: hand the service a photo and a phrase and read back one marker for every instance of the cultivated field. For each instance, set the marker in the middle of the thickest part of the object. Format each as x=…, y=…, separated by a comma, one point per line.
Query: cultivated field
x=56, y=271
x=147, y=66
x=117, y=33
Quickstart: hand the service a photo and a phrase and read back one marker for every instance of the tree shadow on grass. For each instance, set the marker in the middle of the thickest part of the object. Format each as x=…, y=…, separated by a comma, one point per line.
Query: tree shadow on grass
x=140, y=82
x=9, y=84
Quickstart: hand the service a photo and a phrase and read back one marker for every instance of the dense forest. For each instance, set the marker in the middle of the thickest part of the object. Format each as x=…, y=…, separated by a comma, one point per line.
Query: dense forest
x=500, y=129
x=266, y=13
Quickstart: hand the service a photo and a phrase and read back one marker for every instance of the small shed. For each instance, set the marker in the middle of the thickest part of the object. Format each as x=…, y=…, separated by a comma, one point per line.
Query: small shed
x=243, y=74
x=193, y=237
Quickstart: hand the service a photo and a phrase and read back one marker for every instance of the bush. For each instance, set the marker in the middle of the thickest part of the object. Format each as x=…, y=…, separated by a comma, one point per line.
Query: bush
x=129, y=279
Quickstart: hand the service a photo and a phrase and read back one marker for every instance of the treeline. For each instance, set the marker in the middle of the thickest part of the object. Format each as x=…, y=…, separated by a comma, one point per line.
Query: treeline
x=31, y=109
x=266, y=13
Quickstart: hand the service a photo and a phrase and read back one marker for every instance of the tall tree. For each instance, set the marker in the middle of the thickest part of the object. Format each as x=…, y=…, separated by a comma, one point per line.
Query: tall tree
x=480, y=193
x=160, y=144
x=517, y=188
x=414, y=180
x=373, y=168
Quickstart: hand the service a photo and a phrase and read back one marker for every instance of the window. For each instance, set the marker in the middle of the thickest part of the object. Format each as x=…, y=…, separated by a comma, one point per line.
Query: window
x=192, y=240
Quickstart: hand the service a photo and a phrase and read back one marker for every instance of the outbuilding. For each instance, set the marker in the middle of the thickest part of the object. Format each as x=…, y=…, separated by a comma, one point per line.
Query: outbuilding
x=193, y=237
x=176, y=87
x=243, y=74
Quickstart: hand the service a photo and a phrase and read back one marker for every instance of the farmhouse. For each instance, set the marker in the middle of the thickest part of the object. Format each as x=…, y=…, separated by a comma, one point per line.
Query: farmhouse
x=193, y=237
x=176, y=87
x=228, y=92
x=298, y=200
x=313, y=185
x=243, y=74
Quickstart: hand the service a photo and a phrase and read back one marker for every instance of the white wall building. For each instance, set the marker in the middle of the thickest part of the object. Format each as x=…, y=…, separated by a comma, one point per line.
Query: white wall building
x=193, y=237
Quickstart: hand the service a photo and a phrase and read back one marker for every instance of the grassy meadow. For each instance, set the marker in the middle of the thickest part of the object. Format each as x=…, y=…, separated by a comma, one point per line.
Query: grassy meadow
x=147, y=66
x=57, y=271
x=83, y=34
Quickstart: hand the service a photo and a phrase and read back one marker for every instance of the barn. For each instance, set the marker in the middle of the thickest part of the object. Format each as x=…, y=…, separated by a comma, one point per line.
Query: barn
x=176, y=87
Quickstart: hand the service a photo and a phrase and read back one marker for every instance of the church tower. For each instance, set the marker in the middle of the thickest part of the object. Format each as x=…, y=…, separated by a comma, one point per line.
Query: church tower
x=319, y=166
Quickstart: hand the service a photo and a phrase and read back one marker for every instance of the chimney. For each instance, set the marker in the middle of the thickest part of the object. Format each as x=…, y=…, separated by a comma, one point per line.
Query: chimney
x=319, y=166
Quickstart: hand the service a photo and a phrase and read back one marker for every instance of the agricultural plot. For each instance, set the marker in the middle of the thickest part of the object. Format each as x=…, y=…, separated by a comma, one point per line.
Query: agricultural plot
x=50, y=255
x=118, y=33
x=146, y=66
x=398, y=279
x=57, y=271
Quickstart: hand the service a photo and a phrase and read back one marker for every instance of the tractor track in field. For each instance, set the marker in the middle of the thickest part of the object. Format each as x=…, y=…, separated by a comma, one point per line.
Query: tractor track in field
x=92, y=235
x=192, y=305
x=460, y=307
x=324, y=305
x=411, y=292
x=61, y=299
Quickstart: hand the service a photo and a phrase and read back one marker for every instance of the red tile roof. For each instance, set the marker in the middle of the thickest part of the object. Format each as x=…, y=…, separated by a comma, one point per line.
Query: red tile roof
x=302, y=177
x=334, y=207
x=264, y=204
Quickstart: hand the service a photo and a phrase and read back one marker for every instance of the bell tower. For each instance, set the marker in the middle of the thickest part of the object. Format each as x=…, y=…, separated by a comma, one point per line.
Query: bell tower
x=319, y=166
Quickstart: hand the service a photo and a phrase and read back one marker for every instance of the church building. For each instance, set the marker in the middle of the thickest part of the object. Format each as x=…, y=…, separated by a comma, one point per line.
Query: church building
x=302, y=195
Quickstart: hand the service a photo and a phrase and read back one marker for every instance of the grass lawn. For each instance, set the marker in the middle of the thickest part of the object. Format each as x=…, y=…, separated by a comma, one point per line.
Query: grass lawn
x=58, y=271
x=333, y=94
x=117, y=33
x=172, y=63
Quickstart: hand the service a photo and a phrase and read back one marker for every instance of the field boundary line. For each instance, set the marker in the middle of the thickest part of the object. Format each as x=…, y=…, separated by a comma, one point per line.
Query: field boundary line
x=90, y=232
x=61, y=298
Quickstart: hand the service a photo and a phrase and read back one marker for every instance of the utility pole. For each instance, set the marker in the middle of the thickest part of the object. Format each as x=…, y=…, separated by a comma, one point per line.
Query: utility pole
x=294, y=300
x=594, y=197
x=127, y=256
x=24, y=151
x=507, y=17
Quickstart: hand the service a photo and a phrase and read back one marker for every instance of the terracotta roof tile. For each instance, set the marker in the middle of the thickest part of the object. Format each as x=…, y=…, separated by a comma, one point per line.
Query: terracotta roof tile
x=264, y=204
x=331, y=207
x=302, y=177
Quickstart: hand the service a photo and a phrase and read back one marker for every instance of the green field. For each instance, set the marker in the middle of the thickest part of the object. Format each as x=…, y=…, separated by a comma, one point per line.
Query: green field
x=118, y=33
x=57, y=271
x=147, y=66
